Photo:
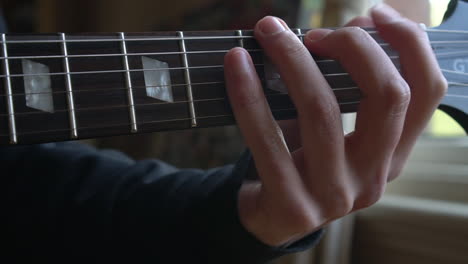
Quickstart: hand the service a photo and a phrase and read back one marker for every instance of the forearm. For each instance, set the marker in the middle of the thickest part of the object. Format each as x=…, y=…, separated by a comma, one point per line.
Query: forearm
x=86, y=204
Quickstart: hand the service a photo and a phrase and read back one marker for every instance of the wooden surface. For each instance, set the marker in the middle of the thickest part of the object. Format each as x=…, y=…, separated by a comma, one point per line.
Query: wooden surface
x=408, y=230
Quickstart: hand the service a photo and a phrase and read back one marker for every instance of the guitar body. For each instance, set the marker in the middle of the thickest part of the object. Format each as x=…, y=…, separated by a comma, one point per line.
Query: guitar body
x=455, y=103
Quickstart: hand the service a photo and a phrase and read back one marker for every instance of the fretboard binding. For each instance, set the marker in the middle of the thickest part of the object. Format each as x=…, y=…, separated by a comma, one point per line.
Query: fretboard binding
x=68, y=83
x=188, y=80
x=9, y=94
x=128, y=83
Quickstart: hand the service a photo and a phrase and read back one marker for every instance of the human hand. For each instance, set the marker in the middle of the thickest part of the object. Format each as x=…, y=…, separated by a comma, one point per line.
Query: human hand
x=330, y=175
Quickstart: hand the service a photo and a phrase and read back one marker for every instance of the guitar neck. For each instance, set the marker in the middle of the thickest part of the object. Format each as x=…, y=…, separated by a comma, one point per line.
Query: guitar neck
x=58, y=87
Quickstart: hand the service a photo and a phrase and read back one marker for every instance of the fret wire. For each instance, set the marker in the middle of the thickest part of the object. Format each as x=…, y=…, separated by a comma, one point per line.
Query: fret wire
x=241, y=40
x=156, y=69
x=298, y=32
x=267, y=96
x=165, y=121
x=70, y=101
x=128, y=82
x=187, y=79
x=9, y=95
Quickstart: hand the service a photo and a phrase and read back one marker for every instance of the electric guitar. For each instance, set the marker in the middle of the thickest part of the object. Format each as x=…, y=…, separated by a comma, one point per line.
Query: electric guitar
x=58, y=87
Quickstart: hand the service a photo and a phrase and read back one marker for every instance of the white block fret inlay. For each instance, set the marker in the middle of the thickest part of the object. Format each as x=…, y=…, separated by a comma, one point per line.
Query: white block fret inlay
x=37, y=86
x=187, y=79
x=8, y=93
x=272, y=77
x=68, y=83
x=128, y=83
x=157, y=79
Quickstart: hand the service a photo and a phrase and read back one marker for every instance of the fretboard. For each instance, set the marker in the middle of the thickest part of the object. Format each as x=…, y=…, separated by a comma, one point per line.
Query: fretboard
x=58, y=87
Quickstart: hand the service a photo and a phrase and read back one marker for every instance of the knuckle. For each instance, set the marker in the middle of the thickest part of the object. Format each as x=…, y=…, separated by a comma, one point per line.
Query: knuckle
x=352, y=36
x=303, y=220
x=301, y=215
x=440, y=87
x=339, y=202
x=369, y=197
x=246, y=100
x=394, y=173
x=288, y=43
x=322, y=112
x=320, y=109
x=397, y=95
x=410, y=31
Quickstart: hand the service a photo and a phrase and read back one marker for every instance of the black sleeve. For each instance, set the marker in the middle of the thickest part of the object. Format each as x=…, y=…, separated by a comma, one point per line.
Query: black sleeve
x=71, y=203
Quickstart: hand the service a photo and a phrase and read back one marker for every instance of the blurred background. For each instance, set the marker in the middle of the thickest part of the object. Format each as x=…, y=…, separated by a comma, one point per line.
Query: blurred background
x=423, y=217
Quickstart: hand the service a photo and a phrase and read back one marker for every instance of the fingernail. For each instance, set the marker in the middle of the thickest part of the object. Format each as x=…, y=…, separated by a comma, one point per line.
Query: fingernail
x=242, y=62
x=384, y=14
x=317, y=34
x=270, y=25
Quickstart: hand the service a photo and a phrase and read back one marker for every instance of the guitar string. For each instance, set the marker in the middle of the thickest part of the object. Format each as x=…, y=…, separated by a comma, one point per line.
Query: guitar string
x=194, y=52
x=183, y=119
x=277, y=111
x=174, y=38
x=181, y=85
x=171, y=85
x=127, y=54
x=159, y=69
x=218, y=99
x=457, y=96
x=110, y=38
x=269, y=95
x=435, y=30
x=454, y=72
x=448, y=54
x=140, y=70
x=178, y=68
x=121, y=55
x=458, y=84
